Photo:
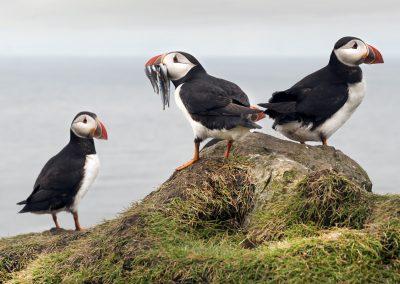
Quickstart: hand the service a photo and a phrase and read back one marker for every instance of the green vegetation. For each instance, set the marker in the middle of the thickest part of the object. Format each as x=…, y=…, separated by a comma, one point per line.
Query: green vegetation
x=225, y=227
x=321, y=200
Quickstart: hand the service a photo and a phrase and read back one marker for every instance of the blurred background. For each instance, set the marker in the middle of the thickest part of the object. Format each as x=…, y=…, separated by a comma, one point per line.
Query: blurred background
x=60, y=57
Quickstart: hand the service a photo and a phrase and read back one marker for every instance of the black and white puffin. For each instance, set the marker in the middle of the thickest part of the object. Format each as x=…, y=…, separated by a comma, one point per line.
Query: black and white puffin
x=318, y=105
x=67, y=176
x=215, y=108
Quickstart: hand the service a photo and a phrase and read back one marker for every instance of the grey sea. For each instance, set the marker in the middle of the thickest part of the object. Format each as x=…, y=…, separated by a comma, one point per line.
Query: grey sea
x=40, y=96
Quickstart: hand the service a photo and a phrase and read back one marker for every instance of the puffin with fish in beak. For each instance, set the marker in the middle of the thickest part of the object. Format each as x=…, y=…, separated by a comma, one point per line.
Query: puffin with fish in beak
x=318, y=105
x=215, y=108
x=67, y=176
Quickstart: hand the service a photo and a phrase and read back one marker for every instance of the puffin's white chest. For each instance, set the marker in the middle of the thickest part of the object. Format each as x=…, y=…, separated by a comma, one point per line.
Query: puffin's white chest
x=182, y=107
x=356, y=95
x=198, y=129
x=90, y=172
x=202, y=132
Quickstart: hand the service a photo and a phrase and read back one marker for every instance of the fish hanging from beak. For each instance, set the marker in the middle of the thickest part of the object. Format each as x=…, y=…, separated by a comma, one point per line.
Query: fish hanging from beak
x=157, y=73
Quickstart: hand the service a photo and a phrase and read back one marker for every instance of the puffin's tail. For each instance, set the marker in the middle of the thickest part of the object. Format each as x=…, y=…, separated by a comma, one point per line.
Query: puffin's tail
x=25, y=209
x=281, y=107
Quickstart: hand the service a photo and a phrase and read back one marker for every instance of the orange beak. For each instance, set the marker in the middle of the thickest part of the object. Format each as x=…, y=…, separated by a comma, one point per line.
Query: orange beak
x=373, y=56
x=154, y=60
x=101, y=132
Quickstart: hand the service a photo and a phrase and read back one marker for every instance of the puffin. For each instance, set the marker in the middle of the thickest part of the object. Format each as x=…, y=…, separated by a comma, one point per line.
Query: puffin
x=214, y=107
x=319, y=104
x=67, y=176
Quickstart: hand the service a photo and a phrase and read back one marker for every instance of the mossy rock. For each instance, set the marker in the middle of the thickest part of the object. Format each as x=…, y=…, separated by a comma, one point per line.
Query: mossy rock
x=276, y=211
x=321, y=200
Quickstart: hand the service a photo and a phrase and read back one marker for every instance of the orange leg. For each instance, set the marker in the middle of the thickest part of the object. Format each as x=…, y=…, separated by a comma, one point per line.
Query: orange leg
x=76, y=220
x=228, y=148
x=324, y=141
x=55, y=220
x=196, y=157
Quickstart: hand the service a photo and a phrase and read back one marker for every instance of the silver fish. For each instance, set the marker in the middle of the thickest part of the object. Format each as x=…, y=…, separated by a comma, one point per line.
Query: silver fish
x=154, y=72
x=158, y=76
x=149, y=75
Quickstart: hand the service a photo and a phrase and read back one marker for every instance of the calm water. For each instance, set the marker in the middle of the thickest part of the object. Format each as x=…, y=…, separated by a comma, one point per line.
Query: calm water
x=40, y=96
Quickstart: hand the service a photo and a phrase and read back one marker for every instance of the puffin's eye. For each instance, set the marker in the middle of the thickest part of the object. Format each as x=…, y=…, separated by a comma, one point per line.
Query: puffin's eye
x=85, y=120
x=355, y=45
x=176, y=59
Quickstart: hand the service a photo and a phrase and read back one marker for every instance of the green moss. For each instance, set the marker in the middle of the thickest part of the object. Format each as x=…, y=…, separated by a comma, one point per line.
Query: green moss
x=339, y=255
x=223, y=200
x=386, y=207
x=321, y=200
x=330, y=199
x=209, y=230
x=289, y=176
x=390, y=238
x=17, y=252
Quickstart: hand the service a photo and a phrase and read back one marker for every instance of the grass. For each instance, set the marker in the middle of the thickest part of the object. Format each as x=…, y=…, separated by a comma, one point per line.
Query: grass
x=321, y=200
x=222, y=200
x=17, y=252
x=321, y=227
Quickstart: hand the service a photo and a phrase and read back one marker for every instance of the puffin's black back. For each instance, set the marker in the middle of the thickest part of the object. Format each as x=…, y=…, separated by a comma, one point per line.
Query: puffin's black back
x=214, y=102
x=60, y=178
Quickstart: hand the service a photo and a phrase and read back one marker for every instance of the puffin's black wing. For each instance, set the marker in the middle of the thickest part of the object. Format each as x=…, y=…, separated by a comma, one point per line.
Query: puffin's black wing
x=56, y=184
x=210, y=105
x=315, y=98
x=322, y=101
x=232, y=90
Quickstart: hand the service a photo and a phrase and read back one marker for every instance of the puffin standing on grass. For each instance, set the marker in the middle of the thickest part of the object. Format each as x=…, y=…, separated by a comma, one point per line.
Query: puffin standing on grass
x=66, y=177
x=314, y=108
x=215, y=108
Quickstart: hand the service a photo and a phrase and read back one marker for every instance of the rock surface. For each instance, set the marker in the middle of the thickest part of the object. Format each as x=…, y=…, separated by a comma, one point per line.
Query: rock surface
x=272, y=154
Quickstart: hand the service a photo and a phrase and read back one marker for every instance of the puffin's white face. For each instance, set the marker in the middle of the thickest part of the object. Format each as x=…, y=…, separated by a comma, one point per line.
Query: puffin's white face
x=352, y=53
x=85, y=126
x=177, y=65
x=163, y=68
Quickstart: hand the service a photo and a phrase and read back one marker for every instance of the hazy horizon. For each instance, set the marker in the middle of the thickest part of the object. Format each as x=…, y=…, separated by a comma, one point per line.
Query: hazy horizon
x=206, y=28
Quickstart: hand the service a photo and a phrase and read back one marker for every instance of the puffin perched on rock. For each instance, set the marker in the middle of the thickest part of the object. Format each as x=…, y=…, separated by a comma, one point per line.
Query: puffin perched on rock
x=318, y=105
x=214, y=107
x=66, y=177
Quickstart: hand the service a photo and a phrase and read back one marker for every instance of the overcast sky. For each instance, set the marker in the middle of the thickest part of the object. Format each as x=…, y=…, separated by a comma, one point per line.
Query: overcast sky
x=207, y=27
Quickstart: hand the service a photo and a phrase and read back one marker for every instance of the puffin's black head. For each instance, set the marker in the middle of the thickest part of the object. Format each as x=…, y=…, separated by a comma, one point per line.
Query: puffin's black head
x=161, y=69
x=87, y=125
x=353, y=51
